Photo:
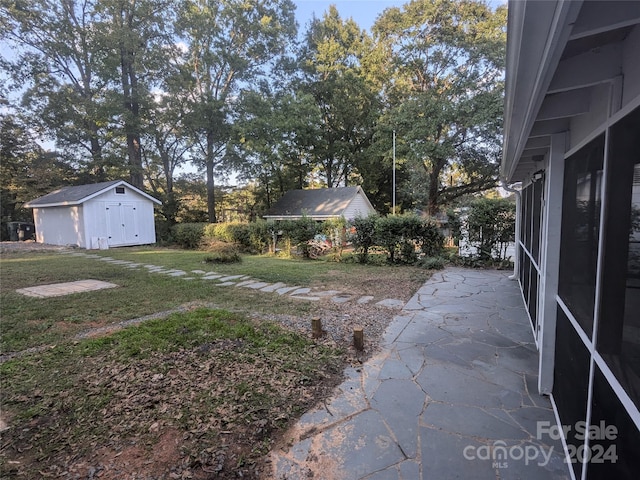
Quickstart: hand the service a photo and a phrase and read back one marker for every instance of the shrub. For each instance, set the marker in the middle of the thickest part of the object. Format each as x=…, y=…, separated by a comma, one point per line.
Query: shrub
x=222, y=258
x=261, y=235
x=336, y=232
x=491, y=226
x=188, y=235
x=429, y=238
x=432, y=263
x=301, y=232
x=362, y=236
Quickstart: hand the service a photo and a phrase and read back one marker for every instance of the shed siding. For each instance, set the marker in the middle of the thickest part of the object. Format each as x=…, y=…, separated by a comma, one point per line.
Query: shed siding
x=130, y=221
x=357, y=207
x=60, y=225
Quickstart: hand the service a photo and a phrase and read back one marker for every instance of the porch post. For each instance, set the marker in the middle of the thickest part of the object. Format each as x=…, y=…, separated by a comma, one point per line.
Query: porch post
x=550, y=260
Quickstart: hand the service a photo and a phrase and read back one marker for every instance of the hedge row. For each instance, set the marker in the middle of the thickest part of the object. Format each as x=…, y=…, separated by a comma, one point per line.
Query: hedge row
x=402, y=237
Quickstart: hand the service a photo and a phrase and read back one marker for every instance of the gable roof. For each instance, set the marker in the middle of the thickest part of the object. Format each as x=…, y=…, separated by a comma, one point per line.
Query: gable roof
x=316, y=203
x=79, y=194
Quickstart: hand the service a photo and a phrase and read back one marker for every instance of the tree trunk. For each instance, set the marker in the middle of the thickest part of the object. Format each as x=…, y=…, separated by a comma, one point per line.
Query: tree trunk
x=211, y=196
x=131, y=122
x=433, y=198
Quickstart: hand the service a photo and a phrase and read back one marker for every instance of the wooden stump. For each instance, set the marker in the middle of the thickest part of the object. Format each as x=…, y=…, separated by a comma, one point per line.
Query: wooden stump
x=358, y=338
x=316, y=327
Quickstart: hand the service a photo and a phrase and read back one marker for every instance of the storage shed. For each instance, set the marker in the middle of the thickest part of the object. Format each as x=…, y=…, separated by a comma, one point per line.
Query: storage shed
x=99, y=215
x=321, y=204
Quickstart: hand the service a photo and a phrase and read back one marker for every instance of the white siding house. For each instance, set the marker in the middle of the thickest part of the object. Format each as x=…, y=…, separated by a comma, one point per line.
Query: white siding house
x=572, y=142
x=104, y=214
x=321, y=204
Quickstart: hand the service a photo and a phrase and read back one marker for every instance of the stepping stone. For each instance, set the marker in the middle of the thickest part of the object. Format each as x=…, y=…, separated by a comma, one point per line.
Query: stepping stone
x=106, y=259
x=274, y=287
x=179, y=273
x=365, y=299
x=199, y=272
x=188, y=278
x=327, y=293
x=231, y=277
x=60, y=289
x=341, y=298
x=257, y=285
x=225, y=284
x=301, y=291
x=211, y=277
x=391, y=303
x=244, y=283
x=283, y=290
x=303, y=297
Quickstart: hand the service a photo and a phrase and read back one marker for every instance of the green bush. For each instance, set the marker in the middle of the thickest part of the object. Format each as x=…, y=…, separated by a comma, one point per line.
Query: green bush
x=301, y=232
x=336, y=231
x=188, y=235
x=389, y=235
x=362, y=236
x=261, y=236
x=253, y=237
x=429, y=238
x=432, y=263
x=491, y=226
x=223, y=257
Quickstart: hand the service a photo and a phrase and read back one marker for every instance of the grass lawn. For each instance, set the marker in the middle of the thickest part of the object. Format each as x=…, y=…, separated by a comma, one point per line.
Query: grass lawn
x=29, y=322
x=199, y=394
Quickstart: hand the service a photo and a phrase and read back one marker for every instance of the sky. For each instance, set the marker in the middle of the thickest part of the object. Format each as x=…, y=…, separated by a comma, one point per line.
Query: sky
x=364, y=12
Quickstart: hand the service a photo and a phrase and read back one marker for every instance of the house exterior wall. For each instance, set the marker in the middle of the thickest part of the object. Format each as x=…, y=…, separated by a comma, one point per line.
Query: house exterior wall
x=357, y=207
x=581, y=282
x=60, y=225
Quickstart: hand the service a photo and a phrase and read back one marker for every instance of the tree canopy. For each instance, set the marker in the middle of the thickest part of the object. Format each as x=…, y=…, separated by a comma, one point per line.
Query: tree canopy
x=227, y=88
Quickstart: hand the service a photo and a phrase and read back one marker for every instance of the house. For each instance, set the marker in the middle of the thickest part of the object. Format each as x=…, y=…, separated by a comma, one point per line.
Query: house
x=108, y=214
x=572, y=140
x=321, y=204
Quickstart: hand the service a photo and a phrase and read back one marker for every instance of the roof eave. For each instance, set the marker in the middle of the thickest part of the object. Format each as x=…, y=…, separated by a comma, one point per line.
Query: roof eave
x=528, y=80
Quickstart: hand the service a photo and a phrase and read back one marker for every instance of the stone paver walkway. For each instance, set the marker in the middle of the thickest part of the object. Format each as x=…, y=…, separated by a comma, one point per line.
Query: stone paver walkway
x=244, y=281
x=452, y=395
x=67, y=288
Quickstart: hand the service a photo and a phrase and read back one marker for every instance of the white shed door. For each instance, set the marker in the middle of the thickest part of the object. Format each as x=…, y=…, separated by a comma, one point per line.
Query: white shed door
x=122, y=223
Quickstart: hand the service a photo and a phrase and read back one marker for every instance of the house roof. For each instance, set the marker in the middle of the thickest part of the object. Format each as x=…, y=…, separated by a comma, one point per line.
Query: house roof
x=80, y=194
x=316, y=203
x=557, y=54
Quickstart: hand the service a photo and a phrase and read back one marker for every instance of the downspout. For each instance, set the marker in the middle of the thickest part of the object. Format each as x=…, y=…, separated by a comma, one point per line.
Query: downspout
x=516, y=261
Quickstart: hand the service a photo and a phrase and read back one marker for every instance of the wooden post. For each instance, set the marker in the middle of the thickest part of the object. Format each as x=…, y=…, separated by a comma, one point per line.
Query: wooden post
x=316, y=327
x=358, y=338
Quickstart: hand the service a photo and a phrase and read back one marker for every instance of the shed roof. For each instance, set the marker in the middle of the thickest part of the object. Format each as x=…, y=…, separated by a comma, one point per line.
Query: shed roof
x=81, y=193
x=319, y=203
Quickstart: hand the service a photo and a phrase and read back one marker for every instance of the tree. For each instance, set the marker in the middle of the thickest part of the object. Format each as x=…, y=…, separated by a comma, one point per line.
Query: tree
x=26, y=170
x=334, y=63
x=60, y=62
x=274, y=139
x=229, y=44
x=447, y=94
x=138, y=38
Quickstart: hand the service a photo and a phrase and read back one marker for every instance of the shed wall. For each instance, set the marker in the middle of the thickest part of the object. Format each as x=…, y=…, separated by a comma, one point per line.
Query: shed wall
x=60, y=225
